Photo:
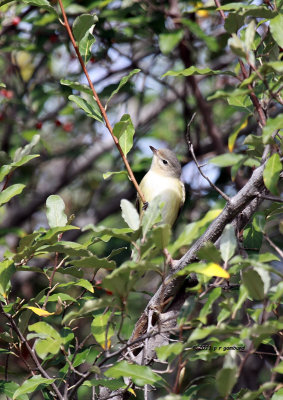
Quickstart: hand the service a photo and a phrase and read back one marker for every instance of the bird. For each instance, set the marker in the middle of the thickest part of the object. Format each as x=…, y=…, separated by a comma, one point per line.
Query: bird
x=163, y=179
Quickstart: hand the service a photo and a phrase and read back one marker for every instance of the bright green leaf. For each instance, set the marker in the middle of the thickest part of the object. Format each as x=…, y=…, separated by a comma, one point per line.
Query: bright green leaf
x=197, y=71
x=106, y=175
x=124, y=131
x=31, y=385
x=276, y=29
x=272, y=172
x=10, y=192
x=76, y=86
x=42, y=4
x=169, y=40
x=82, y=24
x=140, y=374
x=272, y=125
x=102, y=329
x=163, y=352
x=7, y=269
x=226, y=160
x=122, y=83
x=90, y=107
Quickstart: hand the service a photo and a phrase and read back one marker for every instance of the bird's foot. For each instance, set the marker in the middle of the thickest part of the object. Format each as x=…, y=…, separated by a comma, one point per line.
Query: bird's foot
x=169, y=259
x=145, y=205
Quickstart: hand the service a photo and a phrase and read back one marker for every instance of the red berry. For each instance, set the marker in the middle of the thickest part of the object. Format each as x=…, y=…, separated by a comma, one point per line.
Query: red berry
x=53, y=38
x=68, y=127
x=38, y=125
x=7, y=93
x=57, y=122
x=16, y=21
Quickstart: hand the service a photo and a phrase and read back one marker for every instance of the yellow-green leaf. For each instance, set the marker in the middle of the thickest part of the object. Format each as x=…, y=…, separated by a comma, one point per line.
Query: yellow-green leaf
x=40, y=311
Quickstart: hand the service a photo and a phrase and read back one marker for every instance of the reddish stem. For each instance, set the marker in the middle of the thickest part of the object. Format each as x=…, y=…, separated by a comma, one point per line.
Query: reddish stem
x=102, y=109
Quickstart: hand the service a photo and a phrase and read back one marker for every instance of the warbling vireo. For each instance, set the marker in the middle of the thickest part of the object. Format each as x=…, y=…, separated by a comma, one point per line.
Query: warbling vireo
x=163, y=179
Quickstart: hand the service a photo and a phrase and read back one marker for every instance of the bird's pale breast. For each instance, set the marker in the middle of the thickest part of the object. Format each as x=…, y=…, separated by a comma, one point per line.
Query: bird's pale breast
x=170, y=190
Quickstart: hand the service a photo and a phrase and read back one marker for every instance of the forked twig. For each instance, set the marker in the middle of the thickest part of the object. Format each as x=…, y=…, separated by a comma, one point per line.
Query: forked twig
x=191, y=148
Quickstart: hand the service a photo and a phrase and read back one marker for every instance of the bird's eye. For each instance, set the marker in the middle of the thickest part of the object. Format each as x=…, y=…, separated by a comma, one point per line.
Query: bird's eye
x=165, y=162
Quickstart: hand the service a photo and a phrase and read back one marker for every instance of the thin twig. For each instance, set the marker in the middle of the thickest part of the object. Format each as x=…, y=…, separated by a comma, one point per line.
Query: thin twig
x=31, y=352
x=272, y=198
x=279, y=251
x=191, y=148
x=102, y=109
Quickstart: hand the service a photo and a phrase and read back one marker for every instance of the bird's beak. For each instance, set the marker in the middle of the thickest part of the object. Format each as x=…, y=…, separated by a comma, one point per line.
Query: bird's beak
x=153, y=149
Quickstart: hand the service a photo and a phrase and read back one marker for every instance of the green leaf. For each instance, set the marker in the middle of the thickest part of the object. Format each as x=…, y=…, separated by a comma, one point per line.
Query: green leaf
x=152, y=215
x=90, y=107
x=249, y=35
x=76, y=86
x=49, y=340
x=254, y=284
x=193, y=230
x=197, y=71
x=110, y=384
x=102, y=329
x=9, y=388
x=201, y=333
x=279, y=368
x=233, y=136
x=252, y=238
x=65, y=247
x=130, y=214
x=106, y=175
x=82, y=25
x=237, y=46
x=124, y=131
x=42, y=4
x=31, y=385
x=169, y=40
x=85, y=284
x=163, y=352
x=276, y=29
x=272, y=66
x=10, y=192
x=107, y=233
x=272, y=125
x=227, y=159
x=233, y=22
x=6, y=169
x=22, y=152
x=272, y=172
x=228, y=243
x=206, y=309
x=195, y=28
x=85, y=46
x=93, y=262
x=225, y=380
x=209, y=253
x=55, y=207
x=7, y=269
x=278, y=395
x=122, y=83
x=141, y=375
x=161, y=236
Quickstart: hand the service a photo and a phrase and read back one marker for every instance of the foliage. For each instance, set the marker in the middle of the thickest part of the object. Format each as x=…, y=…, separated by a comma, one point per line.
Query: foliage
x=79, y=265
